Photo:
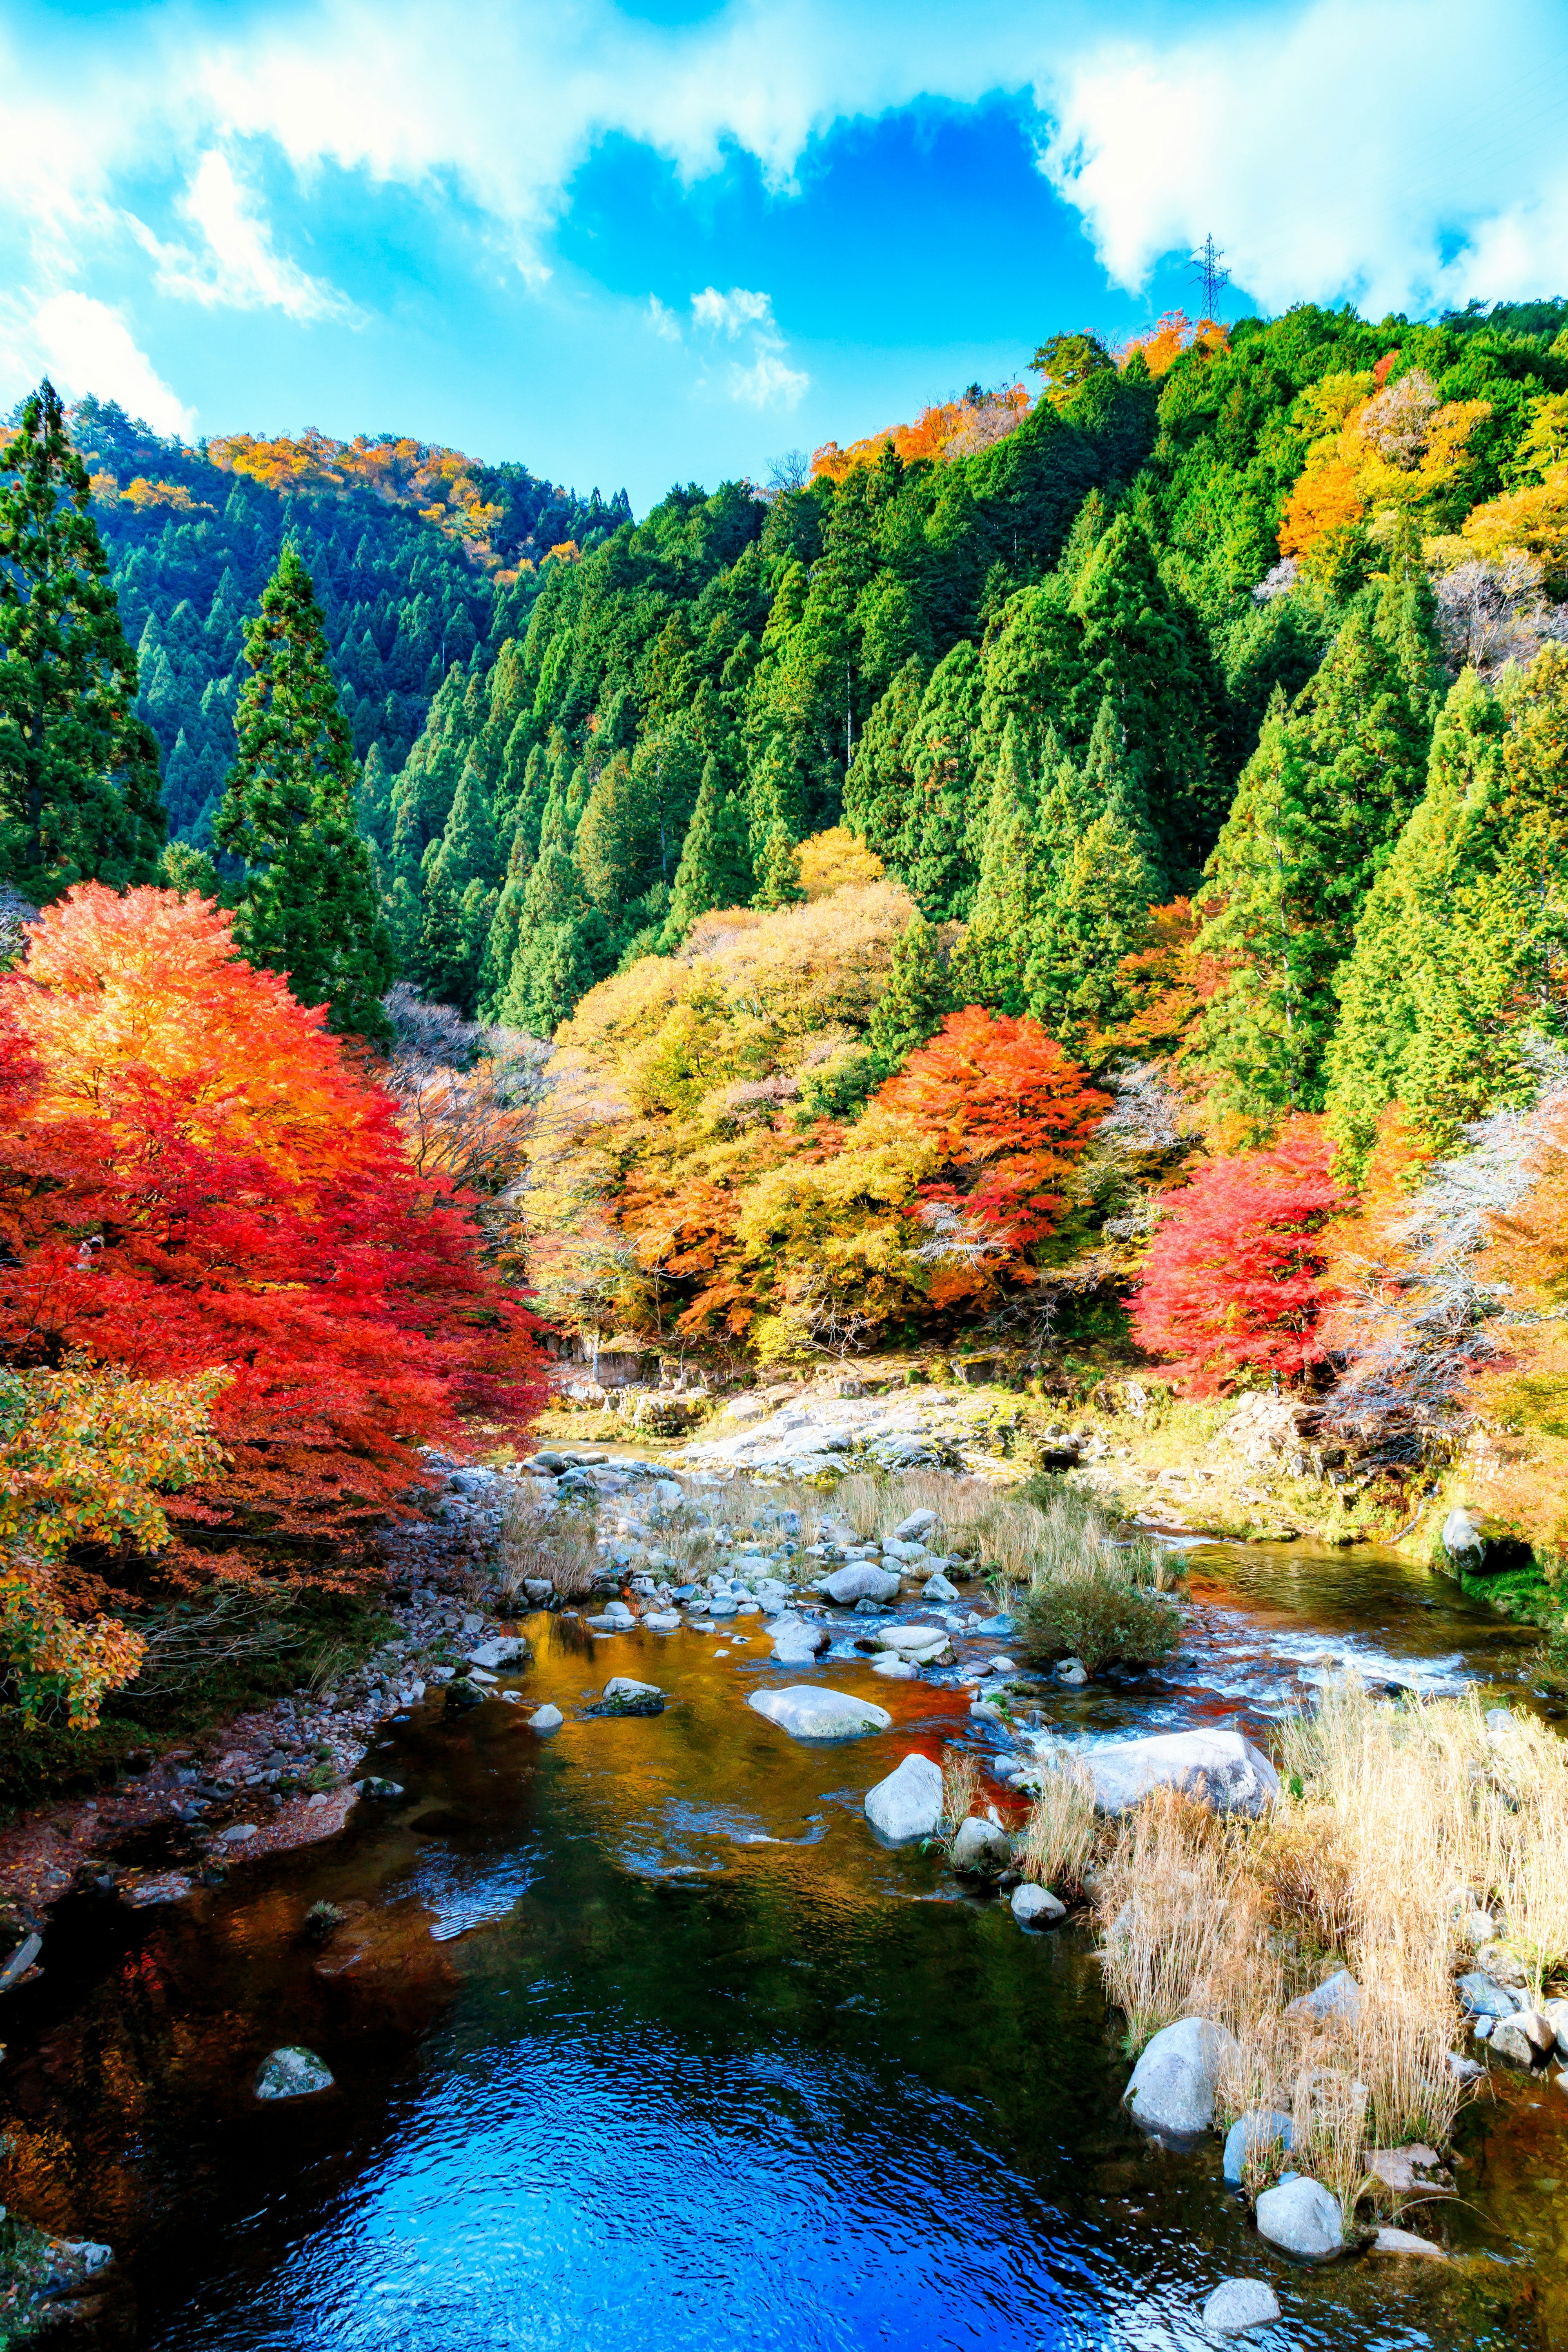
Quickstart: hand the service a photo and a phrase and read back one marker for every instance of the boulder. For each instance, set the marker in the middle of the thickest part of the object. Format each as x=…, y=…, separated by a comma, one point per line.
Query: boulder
x=1503, y=1966
x=847, y=1585
x=892, y=1668
x=495, y=1657
x=464, y=1692
x=919, y=1523
x=1555, y=2012
x=1462, y=1534
x=1338, y=1997
x=923, y=1642
x=907, y=1803
x=624, y=1696
x=796, y=1641
x=807, y=1713
x=1509, y=2040
x=1261, y=2127
x=662, y=1620
x=1301, y=2218
x=937, y=1588
x=981, y=1850
x=1484, y=1997
x=1172, y=2084
x=546, y=1718
x=1073, y=1673
x=1222, y=1769
x=1412, y=2170
x=1037, y=1907
x=1239, y=2303
x=291, y=2074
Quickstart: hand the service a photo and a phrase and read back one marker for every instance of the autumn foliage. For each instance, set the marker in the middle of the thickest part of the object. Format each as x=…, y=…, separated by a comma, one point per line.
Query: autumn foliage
x=196, y=1178
x=947, y=429
x=1235, y=1283
x=1009, y=1113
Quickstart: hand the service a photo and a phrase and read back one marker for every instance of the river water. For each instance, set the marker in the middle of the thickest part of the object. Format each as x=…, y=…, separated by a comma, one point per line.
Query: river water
x=641, y=2040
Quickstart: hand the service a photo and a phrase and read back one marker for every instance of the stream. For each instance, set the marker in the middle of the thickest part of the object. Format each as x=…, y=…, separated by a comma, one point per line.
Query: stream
x=641, y=2040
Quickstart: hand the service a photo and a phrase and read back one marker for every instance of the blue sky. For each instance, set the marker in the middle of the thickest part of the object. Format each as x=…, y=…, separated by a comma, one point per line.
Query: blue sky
x=632, y=245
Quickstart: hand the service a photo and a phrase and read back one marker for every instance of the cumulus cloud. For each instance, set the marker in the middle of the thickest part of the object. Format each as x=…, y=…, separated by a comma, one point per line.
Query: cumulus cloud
x=768, y=380
x=84, y=346
x=238, y=266
x=730, y=314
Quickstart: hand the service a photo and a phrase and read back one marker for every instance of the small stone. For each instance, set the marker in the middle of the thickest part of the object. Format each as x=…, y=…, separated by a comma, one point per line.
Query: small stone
x=1503, y=1966
x=1484, y=1997
x=1405, y=2241
x=506, y=1650
x=1073, y=1673
x=1466, y=2070
x=981, y=1850
x=907, y=1803
x=1338, y=1996
x=919, y=1523
x=1301, y=2218
x=624, y=1696
x=937, y=1588
x=1509, y=2040
x=1263, y=2127
x=1239, y=2303
x=891, y=1668
x=1037, y=1907
x=546, y=1718
x=238, y=1834
x=291, y=2074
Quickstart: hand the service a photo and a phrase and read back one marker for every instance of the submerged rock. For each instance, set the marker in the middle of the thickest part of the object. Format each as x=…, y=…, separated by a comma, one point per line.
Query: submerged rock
x=907, y=1803
x=292, y=2073
x=1221, y=1769
x=807, y=1713
x=1239, y=2303
x=1300, y=2217
x=624, y=1696
x=1172, y=2084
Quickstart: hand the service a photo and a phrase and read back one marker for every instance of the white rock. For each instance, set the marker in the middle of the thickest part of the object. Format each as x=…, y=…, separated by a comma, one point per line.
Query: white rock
x=1037, y=1907
x=1220, y=1768
x=1237, y=2304
x=907, y=1803
x=1300, y=2217
x=982, y=1849
x=622, y=1686
x=506, y=1649
x=919, y=1523
x=1172, y=2084
x=1073, y=1673
x=937, y=1588
x=913, y=1641
x=1405, y=2241
x=892, y=1668
x=291, y=2074
x=797, y=1641
x=238, y=1834
x=807, y=1713
x=847, y=1585
x=662, y=1620
x=1462, y=1534
x=546, y=1718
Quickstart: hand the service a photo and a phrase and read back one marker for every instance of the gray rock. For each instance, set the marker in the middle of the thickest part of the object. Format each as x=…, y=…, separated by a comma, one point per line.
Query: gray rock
x=1301, y=2218
x=619, y=1613
x=662, y=1620
x=506, y=1649
x=937, y=1588
x=1073, y=1673
x=847, y=1585
x=981, y=1850
x=892, y=1668
x=1462, y=1534
x=807, y=1713
x=926, y=1642
x=1463, y=2069
x=238, y=1834
x=907, y=1803
x=1484, y=1997
x=20, y=1961
x=1239, y=2303
x=1338, y=1996
x=1172, y=2084
x=1037, y=1907
x=1503, y=1966
x=1556, y=2015
x=1509, y=2040
x=796, y=1642
x=919, y=1523
x=1405, y=2241
x=624, y=1696
x=1220, y=1768
x=291, y=2074
x=546, y=1718
x=1261, y=2127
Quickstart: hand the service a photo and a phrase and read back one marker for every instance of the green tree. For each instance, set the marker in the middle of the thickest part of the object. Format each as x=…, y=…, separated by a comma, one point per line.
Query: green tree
x=1015, y=889
x=78, y=770
x=308, y=903
x=916, y=1001
x=715, y=867
x=1105, y=878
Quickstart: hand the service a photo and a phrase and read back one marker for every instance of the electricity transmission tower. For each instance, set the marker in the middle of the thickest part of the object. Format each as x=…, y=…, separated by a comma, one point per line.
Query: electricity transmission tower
x=1207, y=263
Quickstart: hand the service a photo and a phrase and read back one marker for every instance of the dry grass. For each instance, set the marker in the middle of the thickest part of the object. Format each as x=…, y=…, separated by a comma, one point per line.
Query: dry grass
x=1185, y=1933
x=1060, y=1835
x=960, y=1789
x=559, y=1545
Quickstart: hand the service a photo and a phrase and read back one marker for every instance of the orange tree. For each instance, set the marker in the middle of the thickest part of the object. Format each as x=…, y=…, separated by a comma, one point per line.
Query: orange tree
x=196, y=1178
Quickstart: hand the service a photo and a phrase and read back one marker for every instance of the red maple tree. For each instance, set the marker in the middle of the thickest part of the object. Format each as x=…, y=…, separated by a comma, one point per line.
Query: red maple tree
x=195, y=1175
x=1237, y=1274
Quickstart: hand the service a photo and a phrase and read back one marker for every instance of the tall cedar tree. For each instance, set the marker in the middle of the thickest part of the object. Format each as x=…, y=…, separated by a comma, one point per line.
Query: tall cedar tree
x=256, y=1215
x=912, y=1008
x=715, y=868
x=309, y=905
x=1235, y=1283
x=78, y=770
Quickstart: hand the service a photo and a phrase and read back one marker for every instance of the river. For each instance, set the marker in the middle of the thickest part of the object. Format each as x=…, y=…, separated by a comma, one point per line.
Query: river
x=641, y=2040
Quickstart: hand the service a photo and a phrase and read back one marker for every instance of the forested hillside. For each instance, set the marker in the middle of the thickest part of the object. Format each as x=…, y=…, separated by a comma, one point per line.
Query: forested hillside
x=420, y=559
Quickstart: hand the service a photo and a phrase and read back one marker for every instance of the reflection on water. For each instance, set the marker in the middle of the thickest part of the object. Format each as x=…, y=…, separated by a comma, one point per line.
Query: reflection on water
x=641, y=2040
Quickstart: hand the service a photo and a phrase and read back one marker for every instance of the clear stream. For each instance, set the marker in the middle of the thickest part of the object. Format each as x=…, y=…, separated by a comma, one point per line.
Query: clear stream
x=641, y=2040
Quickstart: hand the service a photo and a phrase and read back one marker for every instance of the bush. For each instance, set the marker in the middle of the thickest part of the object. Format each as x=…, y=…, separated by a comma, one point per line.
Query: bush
x=1099, y=1613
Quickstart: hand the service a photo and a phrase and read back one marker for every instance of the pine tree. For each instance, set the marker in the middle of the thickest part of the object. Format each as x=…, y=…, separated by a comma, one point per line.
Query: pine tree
x=308, y=903
x=1106, y=876
x=715, y=868
x=1014, y=891
x=78, y=770
x=563, y=946
x=916, y=1001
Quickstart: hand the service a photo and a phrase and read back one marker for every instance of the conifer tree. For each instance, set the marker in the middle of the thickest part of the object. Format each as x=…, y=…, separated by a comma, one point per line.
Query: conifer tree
x=563, y=946
x=1014, y=891
x=715, y=868
x=307, y=904
x=916, y=1001
x=1106, y=877
x=776, y=822
x=78, y=770
x=1317, y=811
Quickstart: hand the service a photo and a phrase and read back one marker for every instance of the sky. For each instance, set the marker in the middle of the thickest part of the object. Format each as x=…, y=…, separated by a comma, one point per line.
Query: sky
x=636, y=244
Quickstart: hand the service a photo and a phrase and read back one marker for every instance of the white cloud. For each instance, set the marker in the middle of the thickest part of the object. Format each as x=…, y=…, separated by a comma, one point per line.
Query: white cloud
x=239, y=267
x=84, y=346
x=768, y=382
x=663, y=321
x=1370, y=148
x=730, y=314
